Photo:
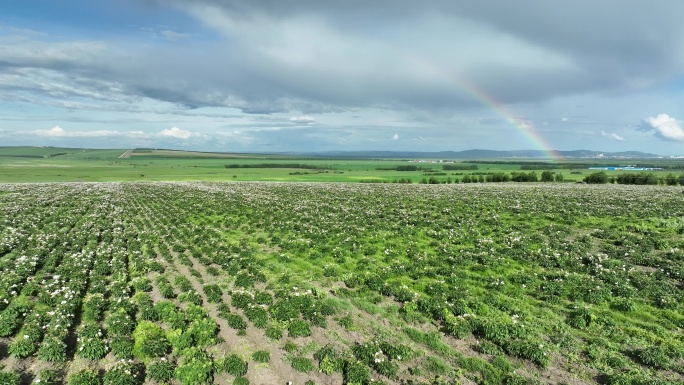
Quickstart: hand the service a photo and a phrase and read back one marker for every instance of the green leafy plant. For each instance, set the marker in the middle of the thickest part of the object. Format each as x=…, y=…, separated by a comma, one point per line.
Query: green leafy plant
x=330, y=365
x=397, y=352
x=164, y=309
x=328, y=360
x=501, y=362
x=9, y=378
x=145, y=306
x=142, y=284
x=161, y=370
x=458, y=326
x=301, y=364
x=580, y=318
x=298, y=328
x=149, y=341
x=232, y=364
x=176, y=320
x=258, y=316
x=191, y=296
x=9, y=321
x=180, y=340
x=244, y=280
x=436, y=366
x=624, y=304
x=166, y=290
x=356, y=373
x=48, y=377
x=223, y=310
x=515, y=379
x=120, y=323
x=263, y=298
x=494, y=330
x=124, y=372
x=122, y=303
x=92, y=348
x=21, y=347
x=655, y=356
x=213, y=293
x=93, y=307
x=53, y=349
x=386, y=368
x=274, y=332
x=346, y=322
x=241, y=300
x=195, y=312
x=122, y=347
x=261, y=356
x=240, y=381
x=204, y=332
x=486, y=347
x=528, y=349
x=84, y=377
x=236, y=321
x=170, y=314
x=283, y=310
x=156, y=266
x=183, y=283
x=290, y=347
x=195, y=369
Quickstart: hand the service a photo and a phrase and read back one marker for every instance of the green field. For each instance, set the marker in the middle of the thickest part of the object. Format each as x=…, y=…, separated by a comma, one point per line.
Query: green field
x=201, y=276
x=47, y=164
x=339, y=283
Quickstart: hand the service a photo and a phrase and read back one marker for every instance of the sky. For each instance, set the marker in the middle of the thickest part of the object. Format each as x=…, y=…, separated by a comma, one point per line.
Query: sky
x=311, y=75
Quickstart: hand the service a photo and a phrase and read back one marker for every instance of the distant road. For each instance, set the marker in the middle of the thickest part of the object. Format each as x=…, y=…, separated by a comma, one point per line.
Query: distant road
x=126, y=154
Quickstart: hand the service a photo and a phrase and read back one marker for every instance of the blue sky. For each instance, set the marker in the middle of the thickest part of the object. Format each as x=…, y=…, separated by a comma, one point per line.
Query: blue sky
x=310, y=75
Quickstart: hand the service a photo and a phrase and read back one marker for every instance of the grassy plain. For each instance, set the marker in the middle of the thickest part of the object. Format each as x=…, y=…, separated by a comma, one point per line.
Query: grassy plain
x=47, y=164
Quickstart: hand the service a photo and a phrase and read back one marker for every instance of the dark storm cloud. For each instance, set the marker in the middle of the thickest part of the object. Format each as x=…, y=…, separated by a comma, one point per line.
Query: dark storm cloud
x=533, y=50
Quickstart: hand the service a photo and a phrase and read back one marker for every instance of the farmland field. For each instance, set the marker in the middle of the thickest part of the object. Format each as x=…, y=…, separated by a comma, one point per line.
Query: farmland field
x=265, y=283
x=52, y=164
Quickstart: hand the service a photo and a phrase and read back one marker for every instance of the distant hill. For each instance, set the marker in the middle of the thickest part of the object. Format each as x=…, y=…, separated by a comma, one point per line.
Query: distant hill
x=36, y=152
x=58, y=152
x=482, y=154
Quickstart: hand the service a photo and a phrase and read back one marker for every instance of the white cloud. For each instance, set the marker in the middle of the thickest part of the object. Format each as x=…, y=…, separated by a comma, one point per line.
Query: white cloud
x=612, y=135
x=304, y=119
x=53, y=132
x=167, y=34
x=395, y=137
x=665, y=126
x=59, y=132
x=564, y=119
x=172, y=35
x=23, y=51
x=176, y=132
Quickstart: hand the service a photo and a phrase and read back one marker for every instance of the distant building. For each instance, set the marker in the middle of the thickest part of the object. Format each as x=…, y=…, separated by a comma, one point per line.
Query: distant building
x=624, y=168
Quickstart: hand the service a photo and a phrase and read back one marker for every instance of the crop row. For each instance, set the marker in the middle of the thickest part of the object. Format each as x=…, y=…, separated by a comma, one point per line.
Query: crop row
x=166, y=281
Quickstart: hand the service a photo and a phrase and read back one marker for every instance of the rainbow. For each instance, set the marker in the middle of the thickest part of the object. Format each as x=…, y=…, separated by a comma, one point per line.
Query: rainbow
x=477, y=93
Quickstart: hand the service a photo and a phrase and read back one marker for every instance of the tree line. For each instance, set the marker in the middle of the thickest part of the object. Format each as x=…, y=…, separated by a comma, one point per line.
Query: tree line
x=498, y=177
x=277, y=165
x=642, y=178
